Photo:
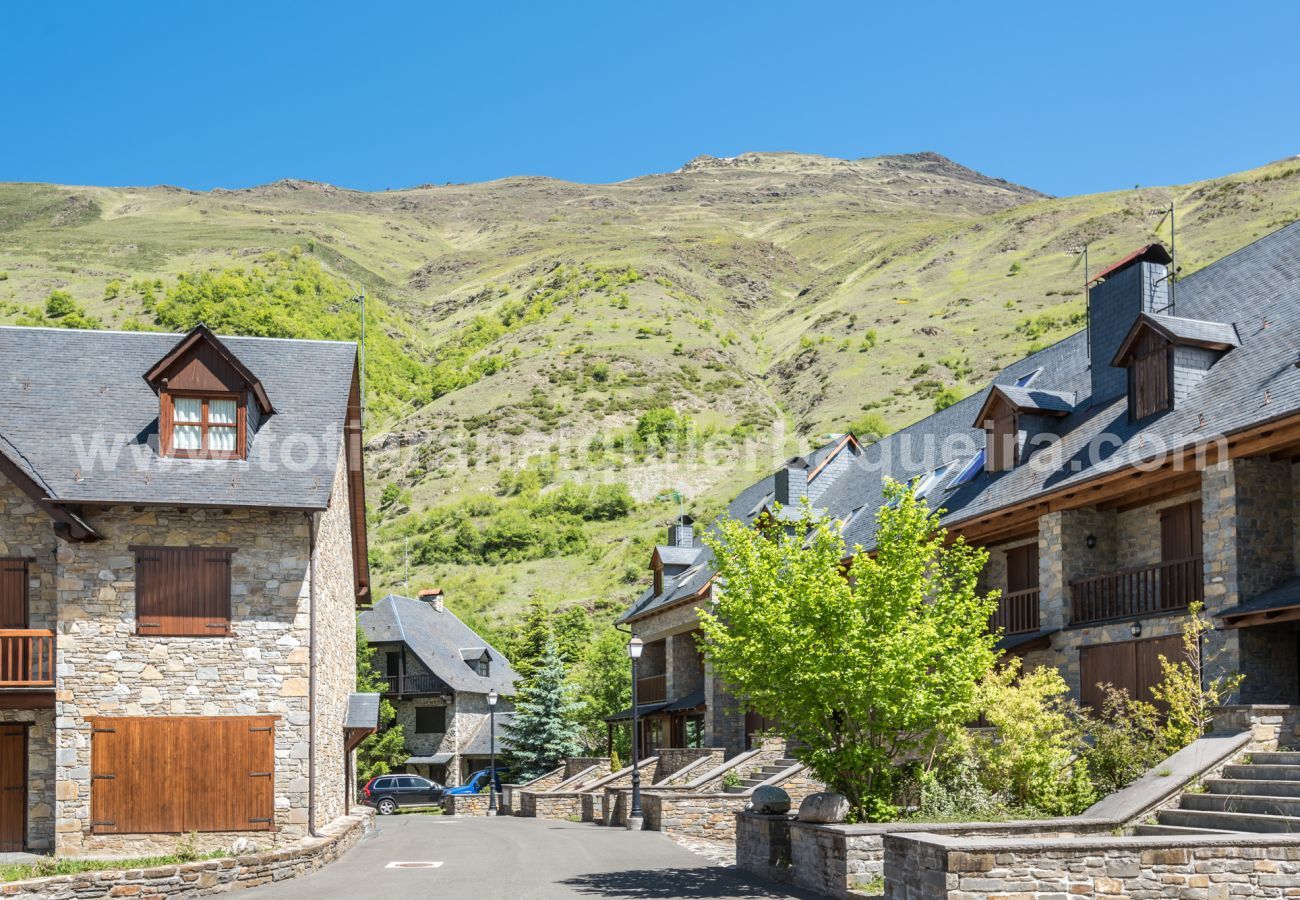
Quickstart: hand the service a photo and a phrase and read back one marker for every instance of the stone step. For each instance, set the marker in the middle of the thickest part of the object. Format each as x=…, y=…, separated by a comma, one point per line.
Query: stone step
x=1244, y=803
x=751, y=782
x=786, y=763
x=734, y=789
x=1174, y=830
x=1278, y=758
x=769, y=771
x=1253, y=787
x=1262, y=773
x=1229, y=821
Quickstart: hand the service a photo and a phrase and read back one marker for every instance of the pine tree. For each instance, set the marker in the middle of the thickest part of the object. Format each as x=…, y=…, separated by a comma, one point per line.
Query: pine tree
x=384, y=750
x=544, y=731
x=527, y=646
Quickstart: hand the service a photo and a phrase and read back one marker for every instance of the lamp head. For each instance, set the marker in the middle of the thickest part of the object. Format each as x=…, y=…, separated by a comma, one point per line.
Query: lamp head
x=492, y=698
x=634, y=647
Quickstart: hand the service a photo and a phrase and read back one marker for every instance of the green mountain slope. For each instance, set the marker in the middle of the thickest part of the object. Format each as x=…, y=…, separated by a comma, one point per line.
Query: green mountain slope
x=520, y=329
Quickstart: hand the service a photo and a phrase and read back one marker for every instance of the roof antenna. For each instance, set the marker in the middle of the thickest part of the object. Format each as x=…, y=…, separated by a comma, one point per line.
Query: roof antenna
x=1087, y=306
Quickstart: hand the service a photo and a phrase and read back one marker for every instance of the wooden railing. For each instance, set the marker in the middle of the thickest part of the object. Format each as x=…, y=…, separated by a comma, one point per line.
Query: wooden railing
x=1138, y=591
x=1017, y=613
x=26, y=658
x=411, y=684
x=651, y=689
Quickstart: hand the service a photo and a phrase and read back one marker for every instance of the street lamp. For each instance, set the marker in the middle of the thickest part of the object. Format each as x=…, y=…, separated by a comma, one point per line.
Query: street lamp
x=492, y=737
x=634, y=648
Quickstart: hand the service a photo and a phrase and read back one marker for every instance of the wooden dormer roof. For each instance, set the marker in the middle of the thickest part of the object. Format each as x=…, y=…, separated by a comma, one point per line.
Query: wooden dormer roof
x=1018, y=399
x=203, y=363
x=1176, y=330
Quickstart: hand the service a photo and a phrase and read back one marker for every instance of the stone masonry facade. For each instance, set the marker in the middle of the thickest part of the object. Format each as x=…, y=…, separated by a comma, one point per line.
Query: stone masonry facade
x=87, y=593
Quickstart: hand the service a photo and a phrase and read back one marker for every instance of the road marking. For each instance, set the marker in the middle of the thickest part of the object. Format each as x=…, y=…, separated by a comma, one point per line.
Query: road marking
x=413, y=865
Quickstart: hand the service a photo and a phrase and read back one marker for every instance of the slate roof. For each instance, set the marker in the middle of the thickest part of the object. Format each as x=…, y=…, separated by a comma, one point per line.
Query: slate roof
x=60, y=388
x=1284, y=596
x=1196, y=330
x=362, y=711
x=436, y=638
x=677, y=556
x=1255, y=292
x=1037, y=398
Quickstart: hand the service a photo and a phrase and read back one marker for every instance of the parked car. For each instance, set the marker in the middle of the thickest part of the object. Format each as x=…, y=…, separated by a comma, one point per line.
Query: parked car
x=389, y=793
x=477, y=782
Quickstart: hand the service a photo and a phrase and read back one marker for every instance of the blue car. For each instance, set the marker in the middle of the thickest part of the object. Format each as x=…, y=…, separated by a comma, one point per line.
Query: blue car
x=477, y=782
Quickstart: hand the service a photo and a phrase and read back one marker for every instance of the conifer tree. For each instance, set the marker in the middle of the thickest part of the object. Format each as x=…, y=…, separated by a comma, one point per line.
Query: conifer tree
x=544, y=731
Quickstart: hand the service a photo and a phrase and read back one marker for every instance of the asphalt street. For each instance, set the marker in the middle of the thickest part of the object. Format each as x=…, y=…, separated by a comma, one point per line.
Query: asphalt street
x=512, y=858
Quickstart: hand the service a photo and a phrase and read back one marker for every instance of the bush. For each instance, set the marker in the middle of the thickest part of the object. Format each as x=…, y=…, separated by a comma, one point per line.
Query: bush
x=954, y=790
x=1126, y=741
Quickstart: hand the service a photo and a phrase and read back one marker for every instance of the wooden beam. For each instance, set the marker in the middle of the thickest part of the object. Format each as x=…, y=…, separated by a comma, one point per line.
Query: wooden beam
x=1160, y=491
x=1267, y=617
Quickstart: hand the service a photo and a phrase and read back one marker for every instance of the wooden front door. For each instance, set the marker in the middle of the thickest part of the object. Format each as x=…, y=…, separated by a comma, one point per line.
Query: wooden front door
x=13, y=788
x=1133, y=666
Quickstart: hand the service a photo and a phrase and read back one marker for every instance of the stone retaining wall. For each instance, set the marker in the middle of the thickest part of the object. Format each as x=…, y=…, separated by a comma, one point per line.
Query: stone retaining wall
x=934, y=867
x=201, y=878
x=465, y=804
x=674, y=759
x=566, y=805
x=711, y=816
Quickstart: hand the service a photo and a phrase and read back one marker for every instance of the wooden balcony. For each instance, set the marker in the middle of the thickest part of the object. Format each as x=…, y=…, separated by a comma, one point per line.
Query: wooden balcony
x=1017, y=613
x=651, y=689
x=26, y=658
x=411, y=685
x=1164, y=587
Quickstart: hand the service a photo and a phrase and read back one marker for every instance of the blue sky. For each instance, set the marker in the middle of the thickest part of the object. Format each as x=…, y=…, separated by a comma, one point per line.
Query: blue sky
x=1067, y=98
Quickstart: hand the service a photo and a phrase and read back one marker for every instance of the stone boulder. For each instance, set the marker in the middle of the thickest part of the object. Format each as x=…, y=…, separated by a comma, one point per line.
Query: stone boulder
x=770, y=800
x=824, y=808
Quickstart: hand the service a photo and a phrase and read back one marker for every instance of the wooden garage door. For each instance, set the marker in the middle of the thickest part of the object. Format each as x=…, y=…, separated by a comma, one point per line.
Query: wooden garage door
x=13, y=788
x=1133, y=666
x=173, y=774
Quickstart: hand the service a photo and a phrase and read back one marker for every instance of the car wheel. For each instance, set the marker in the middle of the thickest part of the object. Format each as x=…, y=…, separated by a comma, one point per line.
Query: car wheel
x=386, y=807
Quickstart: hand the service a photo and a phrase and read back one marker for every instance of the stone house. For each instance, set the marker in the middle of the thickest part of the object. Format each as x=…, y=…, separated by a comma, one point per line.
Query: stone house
x=1144, y=463
x=182, y=549
x=439, y=673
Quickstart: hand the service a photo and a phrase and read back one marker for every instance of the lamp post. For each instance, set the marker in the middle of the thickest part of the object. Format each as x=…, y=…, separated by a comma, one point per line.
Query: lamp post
x=492, y=737
x=634, y=822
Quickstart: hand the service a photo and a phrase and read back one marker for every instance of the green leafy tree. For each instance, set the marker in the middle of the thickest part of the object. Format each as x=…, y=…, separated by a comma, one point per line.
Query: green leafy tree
x=862, y=670
x=544, y=731
x=384, y=750
x=603, y=679
x=1186, y=690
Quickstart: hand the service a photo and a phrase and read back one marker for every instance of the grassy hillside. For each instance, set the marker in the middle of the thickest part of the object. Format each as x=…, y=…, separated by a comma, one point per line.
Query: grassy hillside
x=528, y=333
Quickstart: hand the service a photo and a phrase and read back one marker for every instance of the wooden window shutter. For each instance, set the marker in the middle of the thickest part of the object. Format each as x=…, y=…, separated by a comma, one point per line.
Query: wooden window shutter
x=183, y=591
x=1150, y=378
x=13, y=593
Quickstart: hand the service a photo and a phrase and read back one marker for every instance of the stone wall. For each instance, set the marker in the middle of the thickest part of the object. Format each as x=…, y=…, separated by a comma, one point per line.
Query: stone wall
x=261, y=668
x=711, y=815
x=26, y=532
x=932, y=867
x=685, y=664
x=467, y=804
x=673, y=759
x=564, y=805
x=335, y=649
x=217, y=876
x=1138, y=531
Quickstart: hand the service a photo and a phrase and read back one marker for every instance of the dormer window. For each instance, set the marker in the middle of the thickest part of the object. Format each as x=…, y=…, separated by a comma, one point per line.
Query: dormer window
x=209, y=403
x=203, y=426
x=484, y=668
x=1011, y=415
x=1166, y=357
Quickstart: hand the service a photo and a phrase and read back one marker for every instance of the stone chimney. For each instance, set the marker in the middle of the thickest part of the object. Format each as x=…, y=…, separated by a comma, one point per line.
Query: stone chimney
x=682, y=533
x=792, y=483
x=433, y=597
x=1136, y=284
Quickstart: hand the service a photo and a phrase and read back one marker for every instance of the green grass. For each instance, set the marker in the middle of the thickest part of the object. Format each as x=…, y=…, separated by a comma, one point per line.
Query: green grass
x=46, y=868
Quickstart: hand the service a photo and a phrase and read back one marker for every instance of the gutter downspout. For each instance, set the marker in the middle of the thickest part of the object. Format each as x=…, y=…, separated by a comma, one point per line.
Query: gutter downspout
x=311, y=677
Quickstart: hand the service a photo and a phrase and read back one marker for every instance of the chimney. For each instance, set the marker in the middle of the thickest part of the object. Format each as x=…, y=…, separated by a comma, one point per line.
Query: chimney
x=792, y=483
x=1136, y=284
x=433, y=597
x=682, y=533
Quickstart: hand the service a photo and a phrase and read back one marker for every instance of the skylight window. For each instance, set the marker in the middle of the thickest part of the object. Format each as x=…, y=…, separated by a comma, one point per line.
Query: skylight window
x=924, y=484
x=972, y=469
x=1023, y=380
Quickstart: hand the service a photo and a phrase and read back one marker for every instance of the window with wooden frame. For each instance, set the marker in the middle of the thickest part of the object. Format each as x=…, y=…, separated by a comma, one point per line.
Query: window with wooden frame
x=207, y=426
x=1000, y=434
x=182, y=591
x=13, y=593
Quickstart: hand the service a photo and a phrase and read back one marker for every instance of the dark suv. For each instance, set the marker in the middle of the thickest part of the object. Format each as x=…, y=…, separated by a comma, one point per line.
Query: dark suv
x=388, y=793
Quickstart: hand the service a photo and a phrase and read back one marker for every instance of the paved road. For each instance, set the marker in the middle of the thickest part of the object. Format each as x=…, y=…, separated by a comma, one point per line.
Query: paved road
x=514, y=858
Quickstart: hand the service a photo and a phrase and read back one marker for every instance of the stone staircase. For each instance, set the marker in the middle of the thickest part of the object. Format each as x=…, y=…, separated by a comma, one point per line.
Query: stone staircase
x=1259, y=794
x=756, y=776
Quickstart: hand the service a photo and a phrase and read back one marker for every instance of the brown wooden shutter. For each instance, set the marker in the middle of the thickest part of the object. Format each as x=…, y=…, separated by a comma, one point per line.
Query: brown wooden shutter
x=1150, y=377
x=1022, y=568
x=13, y=788
x=1180, y=531
x=1000, y=438
x=175, y=774
x=13, y=593
x=183, y=591
x=1132, y=666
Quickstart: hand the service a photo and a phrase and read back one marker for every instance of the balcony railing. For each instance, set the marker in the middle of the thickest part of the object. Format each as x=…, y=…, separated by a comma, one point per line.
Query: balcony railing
x=1138, y=591
x=26, y=658
x=1017, y=613
x=652, y=689
x=412, y=684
